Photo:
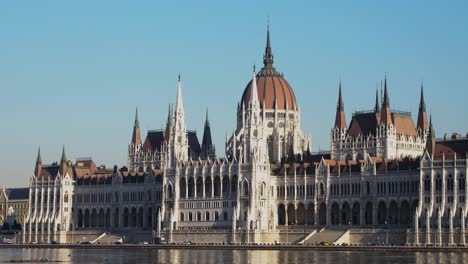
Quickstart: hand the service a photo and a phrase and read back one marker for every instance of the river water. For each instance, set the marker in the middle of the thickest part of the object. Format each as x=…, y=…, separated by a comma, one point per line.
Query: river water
x=140, y=256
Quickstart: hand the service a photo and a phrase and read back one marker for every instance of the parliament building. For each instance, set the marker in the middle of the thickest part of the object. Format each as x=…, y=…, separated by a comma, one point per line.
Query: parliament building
x=383, y=172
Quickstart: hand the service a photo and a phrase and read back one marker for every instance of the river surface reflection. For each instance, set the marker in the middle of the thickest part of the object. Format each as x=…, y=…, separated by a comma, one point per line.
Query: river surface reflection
x=226, y=256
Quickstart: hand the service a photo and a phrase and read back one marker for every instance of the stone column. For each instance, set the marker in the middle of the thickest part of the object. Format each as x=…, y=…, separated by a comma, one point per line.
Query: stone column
x=145, y=217
x=462, y=229
x=439, y=228
x=416, y=228
x=450, y=228
x=428, y=228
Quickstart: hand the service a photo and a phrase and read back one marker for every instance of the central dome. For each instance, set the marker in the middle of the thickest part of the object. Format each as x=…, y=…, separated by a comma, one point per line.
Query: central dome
x=271, y=86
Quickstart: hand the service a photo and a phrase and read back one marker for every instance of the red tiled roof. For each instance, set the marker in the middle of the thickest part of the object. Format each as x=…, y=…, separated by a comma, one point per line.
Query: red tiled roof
x=271, y=88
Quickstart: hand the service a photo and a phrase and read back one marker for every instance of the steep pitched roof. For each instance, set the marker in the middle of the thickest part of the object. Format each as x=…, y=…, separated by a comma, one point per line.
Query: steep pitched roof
x=153, y=141
x=18, y=193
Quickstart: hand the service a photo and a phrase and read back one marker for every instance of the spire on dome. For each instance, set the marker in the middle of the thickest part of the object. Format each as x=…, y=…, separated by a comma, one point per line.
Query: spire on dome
x=377, y=104
x=268, y=57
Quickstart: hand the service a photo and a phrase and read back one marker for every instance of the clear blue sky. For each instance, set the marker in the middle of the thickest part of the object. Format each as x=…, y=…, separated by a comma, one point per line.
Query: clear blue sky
x=73, y=72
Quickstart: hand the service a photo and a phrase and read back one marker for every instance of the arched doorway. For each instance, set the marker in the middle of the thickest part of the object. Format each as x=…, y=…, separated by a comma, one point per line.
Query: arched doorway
x=335, y=214
x=301, y=214
x=291, y=214
x=322, y=214
x=405, y=214
x=345, y=214
x=369, y=214
x=281, y=215
x=310, y=214
x=208, y=187
x=80, y=218
x=382, y=213
x=116, y=217
x=126, y=219
x=356, y=214
x=217, y=186
x=393, y=213
x=199, y=187
x=183, y=188
x=191, y=187
x=226, y=186
x=234, y=184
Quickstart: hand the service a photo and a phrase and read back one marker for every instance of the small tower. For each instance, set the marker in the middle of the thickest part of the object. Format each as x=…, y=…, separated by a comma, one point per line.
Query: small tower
x=340, y=121
x=386, y=116
x=386, y=135
x=135, y=146
x=377, y=104
x=422, y=124
x=136, y=137
x=63, y=163
x=38, y=168
x=338, y=132
x=430, y=142
x=167, y=132
x=207, y=143
x=178, y=142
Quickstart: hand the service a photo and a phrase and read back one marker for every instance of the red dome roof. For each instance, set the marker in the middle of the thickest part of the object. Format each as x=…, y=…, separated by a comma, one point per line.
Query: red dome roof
x=271, y=86
x=271, y=89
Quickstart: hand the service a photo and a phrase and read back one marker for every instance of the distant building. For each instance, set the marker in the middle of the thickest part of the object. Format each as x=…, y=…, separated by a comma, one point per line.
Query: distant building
x=14, y=200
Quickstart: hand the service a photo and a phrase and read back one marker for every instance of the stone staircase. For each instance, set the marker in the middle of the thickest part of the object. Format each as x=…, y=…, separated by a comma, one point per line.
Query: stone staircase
x=325, y=235
x=108, y=238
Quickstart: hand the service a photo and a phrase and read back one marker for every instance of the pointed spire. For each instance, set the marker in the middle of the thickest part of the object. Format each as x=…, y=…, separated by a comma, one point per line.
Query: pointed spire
x=137, y=122
x=431, y=129
x=254, y=89
x=169, y=115
x=422, y=116
x=422, y=104
x=64, y=157
x=179, y=102
x=39, y=159
x=63, y=163
x=340, y=121
x=377, y=104
x=38, y=168
x=386, y=100
x=207, y=143
x=136, y=137
x=340, y=106
x=207, y=122
x=268, y=57
x=386, y=115
x=430, y=140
